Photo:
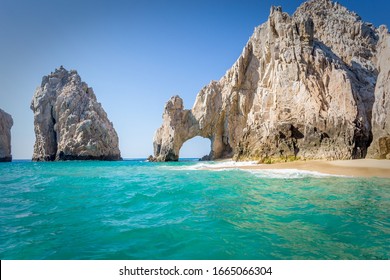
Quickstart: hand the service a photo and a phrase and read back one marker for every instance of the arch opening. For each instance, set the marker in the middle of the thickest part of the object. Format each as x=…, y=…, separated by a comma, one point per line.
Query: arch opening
x=195, y=149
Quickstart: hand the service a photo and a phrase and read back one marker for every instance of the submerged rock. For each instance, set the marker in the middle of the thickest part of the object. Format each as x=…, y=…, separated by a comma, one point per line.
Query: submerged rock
x=303, y=87
x=69, y=123
x=6, y=123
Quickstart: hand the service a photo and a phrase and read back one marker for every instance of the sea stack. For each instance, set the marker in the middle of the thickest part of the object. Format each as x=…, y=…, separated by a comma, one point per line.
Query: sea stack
x=6, y=123
x=69, y=123
x=304, y=87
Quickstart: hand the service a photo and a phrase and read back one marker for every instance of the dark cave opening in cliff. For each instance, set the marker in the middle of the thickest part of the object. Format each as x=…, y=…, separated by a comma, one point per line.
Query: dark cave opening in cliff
x=195, y=148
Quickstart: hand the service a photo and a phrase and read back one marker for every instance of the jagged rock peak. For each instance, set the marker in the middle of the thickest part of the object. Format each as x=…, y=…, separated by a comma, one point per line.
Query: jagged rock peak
x=326, y=7
x=69, y=123
x=303, y=87
x=6, y=122
x=341, y=30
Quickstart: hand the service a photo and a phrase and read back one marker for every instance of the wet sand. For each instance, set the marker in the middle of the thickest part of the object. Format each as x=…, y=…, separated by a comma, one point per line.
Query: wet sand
x=358, y=168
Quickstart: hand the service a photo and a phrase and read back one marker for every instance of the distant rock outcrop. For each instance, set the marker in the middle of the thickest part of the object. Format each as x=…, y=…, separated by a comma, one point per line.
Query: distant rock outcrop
x=6, y=123
x=69, y=123
x=303, y=87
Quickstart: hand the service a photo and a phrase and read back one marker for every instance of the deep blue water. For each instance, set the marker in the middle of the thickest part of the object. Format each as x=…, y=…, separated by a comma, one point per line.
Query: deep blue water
x=141, y=210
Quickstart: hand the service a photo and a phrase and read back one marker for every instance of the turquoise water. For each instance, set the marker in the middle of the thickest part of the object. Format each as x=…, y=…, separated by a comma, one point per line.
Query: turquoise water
x=140, y=210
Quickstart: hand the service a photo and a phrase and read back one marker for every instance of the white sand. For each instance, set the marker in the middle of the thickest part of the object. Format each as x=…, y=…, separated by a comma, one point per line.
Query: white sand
x=358, y=168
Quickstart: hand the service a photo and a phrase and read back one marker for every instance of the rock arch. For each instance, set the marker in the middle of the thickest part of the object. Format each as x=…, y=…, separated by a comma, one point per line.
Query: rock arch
x=293, y=93
x=180, y=125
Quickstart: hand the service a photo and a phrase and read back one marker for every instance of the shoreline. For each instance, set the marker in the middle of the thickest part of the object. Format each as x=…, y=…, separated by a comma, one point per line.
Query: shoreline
x=354, y=168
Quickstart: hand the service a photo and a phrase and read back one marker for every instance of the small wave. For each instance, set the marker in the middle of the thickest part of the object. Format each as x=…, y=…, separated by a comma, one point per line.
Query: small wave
x=218, y=166
x=24, y=215
x=288, y=173
x=213, y=165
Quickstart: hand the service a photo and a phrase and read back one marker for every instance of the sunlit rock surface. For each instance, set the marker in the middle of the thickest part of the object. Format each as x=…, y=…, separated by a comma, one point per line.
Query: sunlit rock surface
x=304, y=87
x=6, y=123
x=69, y=123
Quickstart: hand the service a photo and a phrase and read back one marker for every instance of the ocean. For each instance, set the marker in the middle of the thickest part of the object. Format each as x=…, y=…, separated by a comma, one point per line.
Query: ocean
x=140, y=210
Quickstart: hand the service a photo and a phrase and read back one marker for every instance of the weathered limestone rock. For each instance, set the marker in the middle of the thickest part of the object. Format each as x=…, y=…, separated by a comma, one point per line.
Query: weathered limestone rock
x=380, y=147
x=69, y=123
x=6, y=123
x=303, y=87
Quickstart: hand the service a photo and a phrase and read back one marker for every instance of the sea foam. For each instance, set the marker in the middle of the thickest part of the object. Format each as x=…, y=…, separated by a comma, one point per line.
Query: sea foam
x=289, y=173
x=213, y=165
x=218, y=166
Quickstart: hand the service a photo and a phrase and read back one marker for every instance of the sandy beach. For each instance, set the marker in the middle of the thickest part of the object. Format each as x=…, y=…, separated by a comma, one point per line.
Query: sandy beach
x=358, y=168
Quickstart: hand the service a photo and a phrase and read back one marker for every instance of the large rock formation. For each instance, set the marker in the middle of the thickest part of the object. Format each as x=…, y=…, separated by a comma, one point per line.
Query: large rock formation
x=303, y=87
x=6, y=123
x=69, y=123
x=380, y=147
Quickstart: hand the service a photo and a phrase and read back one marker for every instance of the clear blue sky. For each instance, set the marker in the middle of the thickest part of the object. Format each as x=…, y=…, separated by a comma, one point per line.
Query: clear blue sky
x=135, y=54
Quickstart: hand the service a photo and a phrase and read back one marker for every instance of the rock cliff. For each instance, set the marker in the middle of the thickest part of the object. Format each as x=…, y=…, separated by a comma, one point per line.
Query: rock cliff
x=380, y=147
x=69, y=123
x=6, y=123
x=303, y=87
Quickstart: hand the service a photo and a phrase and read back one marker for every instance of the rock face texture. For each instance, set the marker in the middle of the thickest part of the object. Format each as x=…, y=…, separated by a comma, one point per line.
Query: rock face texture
x=69, y=123
x=380, y=147
x=6, y=123
x=303, y=87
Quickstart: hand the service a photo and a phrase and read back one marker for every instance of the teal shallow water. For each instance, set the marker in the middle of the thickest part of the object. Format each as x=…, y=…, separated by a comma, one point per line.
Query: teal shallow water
x=140, y=210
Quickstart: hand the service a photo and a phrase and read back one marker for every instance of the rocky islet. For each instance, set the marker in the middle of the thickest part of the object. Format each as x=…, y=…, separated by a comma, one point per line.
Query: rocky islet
x=6, y=123
x=69, y=123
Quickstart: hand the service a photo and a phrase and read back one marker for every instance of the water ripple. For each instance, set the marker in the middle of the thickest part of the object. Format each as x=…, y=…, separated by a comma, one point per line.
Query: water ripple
x=140, y=210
